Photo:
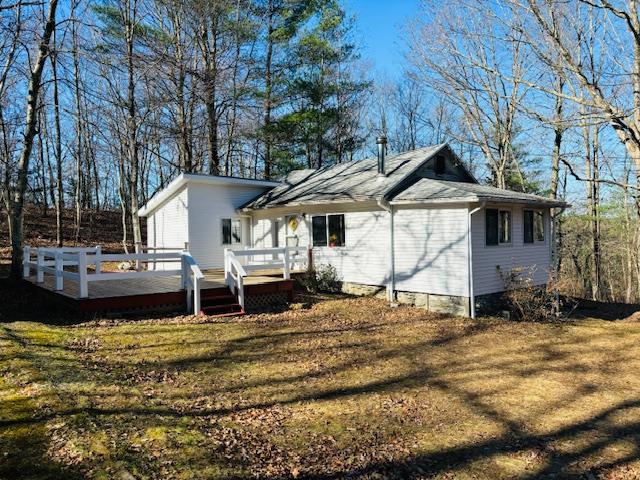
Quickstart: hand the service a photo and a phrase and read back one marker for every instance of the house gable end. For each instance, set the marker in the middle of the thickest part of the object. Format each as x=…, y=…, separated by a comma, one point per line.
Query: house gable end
x=454, y=170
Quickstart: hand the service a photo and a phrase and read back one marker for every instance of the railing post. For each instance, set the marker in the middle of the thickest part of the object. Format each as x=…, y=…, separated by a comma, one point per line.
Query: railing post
x=309, y=258
x=286, y=268
x=183, y=268
x=226, y=266
x=82, y=271
x=138, y=248
x=189, y=298
x=98, y=260
x=26, y=260
x=241, y=290
x=59, y=270
x=196, y=295
x=40, y=271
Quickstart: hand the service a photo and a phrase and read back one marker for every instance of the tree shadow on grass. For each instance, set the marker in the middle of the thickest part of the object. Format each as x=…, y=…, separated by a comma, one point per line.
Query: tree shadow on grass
x=480, y=366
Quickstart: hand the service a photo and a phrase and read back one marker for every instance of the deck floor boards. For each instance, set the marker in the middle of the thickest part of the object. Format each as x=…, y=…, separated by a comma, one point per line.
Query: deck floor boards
x=148, y=286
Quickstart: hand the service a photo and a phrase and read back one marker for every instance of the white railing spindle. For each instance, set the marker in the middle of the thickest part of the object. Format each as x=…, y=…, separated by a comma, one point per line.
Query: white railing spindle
x=26, y=262
x=82, y=271
x=59, y=271
x=98, y=260
x=40, y=266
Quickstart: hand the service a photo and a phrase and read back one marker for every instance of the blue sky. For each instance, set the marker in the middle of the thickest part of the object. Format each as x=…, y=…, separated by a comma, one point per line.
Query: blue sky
x=380, y=31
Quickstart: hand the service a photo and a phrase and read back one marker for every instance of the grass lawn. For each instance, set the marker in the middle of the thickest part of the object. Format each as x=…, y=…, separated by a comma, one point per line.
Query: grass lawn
x=343, y=388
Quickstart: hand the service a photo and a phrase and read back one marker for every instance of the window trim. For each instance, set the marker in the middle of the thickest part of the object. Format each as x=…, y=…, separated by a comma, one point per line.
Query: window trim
x=499, y=244
x=231, y=222
x=536, y=241
x=327, y=238
x=326, y=232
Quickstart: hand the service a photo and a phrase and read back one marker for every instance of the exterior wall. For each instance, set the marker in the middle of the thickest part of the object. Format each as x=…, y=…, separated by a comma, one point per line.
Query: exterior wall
x=517, y=254
x=431, y=250
x=208, y=205
x=168, y=227
x=364, y=259
x=431, y=245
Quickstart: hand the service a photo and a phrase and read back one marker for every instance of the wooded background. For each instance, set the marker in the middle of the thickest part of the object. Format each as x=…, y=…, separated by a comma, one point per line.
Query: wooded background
x=103, y=102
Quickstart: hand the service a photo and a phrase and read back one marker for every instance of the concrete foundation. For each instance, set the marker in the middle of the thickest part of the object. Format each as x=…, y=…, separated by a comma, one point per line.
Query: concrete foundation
x=449, y=304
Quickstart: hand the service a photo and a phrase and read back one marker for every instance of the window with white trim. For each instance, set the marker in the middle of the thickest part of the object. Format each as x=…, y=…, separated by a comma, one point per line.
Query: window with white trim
x=328, y=230
x=231, y=231
x=497, y=227
x=533, y=222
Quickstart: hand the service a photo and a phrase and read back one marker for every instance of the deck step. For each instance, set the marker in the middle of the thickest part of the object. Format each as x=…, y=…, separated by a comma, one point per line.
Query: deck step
x=218, y=299
x=230, y=309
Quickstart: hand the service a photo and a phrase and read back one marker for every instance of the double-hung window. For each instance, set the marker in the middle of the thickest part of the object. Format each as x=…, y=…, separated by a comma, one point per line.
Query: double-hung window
x=328, y=230
x=533, y=226
x=231, y=231
x=497, y=226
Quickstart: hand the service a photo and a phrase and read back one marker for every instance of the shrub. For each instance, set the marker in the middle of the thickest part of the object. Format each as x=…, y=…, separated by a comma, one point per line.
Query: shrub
x=322, y=278
x=529, y=302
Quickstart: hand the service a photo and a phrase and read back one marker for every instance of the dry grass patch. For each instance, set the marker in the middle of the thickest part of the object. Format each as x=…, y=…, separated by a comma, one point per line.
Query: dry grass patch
x=344, y=388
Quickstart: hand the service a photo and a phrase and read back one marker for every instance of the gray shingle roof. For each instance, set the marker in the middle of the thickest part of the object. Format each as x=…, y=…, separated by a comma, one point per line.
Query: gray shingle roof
x=439, y=190
x=357, y=180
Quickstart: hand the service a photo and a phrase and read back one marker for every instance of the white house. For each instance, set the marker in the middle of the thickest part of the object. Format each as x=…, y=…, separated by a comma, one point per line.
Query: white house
x=417, y=225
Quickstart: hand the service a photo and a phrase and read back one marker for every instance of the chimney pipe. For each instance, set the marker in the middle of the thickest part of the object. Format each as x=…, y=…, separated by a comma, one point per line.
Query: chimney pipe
x=381, y=141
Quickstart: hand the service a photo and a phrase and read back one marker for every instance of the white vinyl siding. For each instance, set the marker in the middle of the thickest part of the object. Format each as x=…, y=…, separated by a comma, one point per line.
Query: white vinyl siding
x=365, y=257
x=431, y=251
x=515, y=255
x=208, y=205
x=167, y=227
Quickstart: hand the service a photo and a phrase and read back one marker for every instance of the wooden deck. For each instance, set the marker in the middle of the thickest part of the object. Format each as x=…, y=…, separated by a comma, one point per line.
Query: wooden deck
x=141, y=293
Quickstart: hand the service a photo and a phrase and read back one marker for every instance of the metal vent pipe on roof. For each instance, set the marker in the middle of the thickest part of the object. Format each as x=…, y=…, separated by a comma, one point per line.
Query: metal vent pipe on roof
x=381, y=141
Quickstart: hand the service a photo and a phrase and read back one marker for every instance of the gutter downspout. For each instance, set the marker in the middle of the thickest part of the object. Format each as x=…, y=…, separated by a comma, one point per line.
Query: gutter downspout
x=472, y=297
x=553, y=253
x=391, y=286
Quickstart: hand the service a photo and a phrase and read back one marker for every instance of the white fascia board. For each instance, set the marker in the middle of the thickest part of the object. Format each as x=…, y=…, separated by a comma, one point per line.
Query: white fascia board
x=184, y=178
x=492, y=200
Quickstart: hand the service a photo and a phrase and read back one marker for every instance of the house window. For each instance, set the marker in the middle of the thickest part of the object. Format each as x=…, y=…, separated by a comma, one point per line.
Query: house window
x=497, y=226
x=336, y=230
x=533, y=226
x=328, y=230
x=231, y=231
x=319, y=227
x=439, y=166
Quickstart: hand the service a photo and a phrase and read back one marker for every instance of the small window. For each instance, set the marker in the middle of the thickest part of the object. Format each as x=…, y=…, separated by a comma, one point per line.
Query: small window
x=505, y=226
x=538, y=226
x=231, y=231
x=497, y=226
x=236, y=231
x=528, y=226
x=491, y=226
x=319, y=227
x=336, y=230
x=440, y=165
x=533, y=226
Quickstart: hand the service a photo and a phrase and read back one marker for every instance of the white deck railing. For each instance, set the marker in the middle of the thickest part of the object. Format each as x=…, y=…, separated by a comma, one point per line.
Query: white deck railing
x=238, y=264
x=54, y=260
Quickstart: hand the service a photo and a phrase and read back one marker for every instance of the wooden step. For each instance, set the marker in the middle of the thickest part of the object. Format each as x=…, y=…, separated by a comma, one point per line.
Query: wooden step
x=225, y=310
x=219, y=300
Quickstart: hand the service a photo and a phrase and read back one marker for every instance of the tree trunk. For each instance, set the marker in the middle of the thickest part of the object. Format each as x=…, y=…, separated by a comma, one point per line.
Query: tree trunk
x=59, y=199
x=17, y=202
x=267, y=94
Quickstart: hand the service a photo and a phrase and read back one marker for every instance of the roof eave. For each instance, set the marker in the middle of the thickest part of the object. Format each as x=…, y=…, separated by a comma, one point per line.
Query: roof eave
x=477, y=199
x=184, y=178
x=363, y=199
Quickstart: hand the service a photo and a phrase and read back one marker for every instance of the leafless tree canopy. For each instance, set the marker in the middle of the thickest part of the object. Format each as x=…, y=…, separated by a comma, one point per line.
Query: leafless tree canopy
x=102, y=103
